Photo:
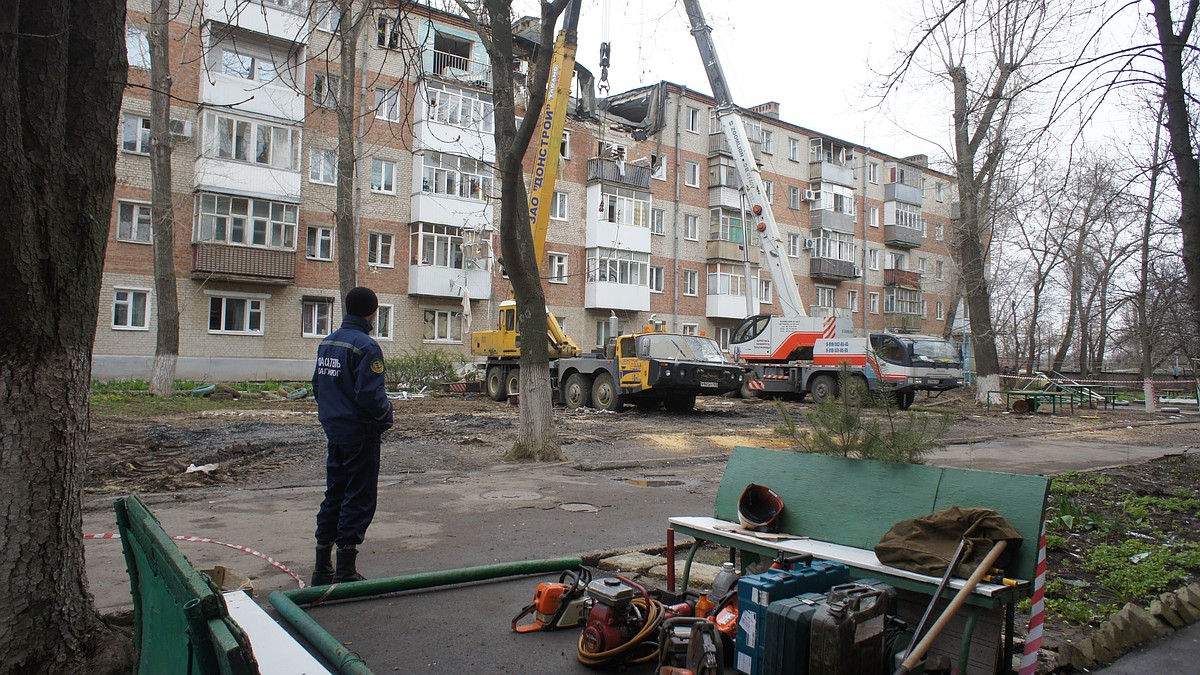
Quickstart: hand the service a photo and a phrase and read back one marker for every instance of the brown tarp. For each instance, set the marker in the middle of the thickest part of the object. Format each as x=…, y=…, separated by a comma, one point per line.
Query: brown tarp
x=925, y=545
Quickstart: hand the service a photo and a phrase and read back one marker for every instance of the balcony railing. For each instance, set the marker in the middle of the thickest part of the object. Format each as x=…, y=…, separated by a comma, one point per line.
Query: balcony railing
x=460, y=69
x=243, y=263
x=720, y=249
x=902, y=278
x=828, y=268
x=609, y=171
x=901, y=322
x=719, y=145
x=903, y=236
x=831, y=172
x=910, y=194
x=828, y=219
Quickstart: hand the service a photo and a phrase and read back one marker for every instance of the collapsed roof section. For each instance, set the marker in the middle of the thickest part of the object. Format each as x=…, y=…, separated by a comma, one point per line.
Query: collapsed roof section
x=642, y=110
x=527, y=35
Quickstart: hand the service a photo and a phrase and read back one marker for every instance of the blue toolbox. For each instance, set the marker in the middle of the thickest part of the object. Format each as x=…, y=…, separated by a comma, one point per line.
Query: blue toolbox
x=756, y=592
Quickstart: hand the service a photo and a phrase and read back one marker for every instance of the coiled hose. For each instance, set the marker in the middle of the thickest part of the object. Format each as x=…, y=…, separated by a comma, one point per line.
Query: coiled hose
x=623, y=653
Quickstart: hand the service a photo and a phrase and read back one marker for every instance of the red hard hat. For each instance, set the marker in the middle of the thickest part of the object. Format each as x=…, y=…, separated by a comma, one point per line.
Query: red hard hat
x=759, y=508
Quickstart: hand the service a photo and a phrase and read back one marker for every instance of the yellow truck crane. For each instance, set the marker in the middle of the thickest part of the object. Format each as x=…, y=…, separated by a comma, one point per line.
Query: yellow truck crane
x=646, y=368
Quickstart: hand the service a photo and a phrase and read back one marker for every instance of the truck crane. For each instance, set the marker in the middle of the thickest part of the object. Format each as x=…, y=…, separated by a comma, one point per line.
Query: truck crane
x=645, y=368
x=796, y=353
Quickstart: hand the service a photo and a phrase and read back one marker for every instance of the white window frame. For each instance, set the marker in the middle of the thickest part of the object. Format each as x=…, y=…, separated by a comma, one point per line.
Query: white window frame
x=449, y=320
x=323, y=239
x=691, y=173
x=873, y=258
x=768, y=145
x=657, y=278
x=764, y=291
x=559, y=268
x=316, y=317
x=939, y=232
x=795, y=244
x=873, y=172
x=387, y=104
x=769, y=188
x=691, y=283
x=939, y=190
x=137, y=47
x=327, y=87
x=691, y=227
x=384, y=320
x=387, y=176
x=559, y=205
x=723, y=335
x=794, y=197
x=793, y=149
x=873, y=216
x=437, y=245
x=137, y=211
x=326, y=15
x=873, y=301
x=255, y=305
x=262, y=223
x=460, y=107
x=852, y=300
x=135, y=129
x=322, y=166
x=940, y=309
x=689, y=329
x=658, y=221
x=128, y=303
x=939, y=268
x=444, y=173
x=564, y=148
x=379, y=243
x=826, y=296
x=691, y=119
x=282, y=147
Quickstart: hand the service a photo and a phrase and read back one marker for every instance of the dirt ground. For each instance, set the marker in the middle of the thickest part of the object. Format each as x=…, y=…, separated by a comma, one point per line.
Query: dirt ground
x=142, y=446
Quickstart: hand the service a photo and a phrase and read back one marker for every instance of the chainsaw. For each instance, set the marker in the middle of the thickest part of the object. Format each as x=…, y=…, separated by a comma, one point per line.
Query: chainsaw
x=557, y=605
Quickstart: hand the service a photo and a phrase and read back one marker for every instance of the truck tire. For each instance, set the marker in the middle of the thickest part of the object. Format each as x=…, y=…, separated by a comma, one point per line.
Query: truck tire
x=605, y=395
x=747, y=392
x=495, y=384
x=577, y=393
x=905, y=399
x=512, y=382
x=680, y=404
x=823, y=388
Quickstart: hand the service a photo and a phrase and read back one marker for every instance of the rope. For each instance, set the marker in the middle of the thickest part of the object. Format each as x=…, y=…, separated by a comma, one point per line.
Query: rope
x=1037, y=612
x=205, y=540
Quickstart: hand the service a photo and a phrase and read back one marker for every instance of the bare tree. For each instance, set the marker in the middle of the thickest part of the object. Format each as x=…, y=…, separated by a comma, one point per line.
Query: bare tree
x=57, y=175
x=166, y=347
x=348, y=29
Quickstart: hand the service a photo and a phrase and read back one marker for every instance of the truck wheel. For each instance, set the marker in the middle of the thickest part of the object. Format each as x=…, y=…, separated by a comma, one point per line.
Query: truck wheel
x=495, y=384
x=823, y=388
x=578, y=391
x=680, y=404
x=512, y=382
x=604, y=393
x=857, y=391
x=747, y=392
x=905, y=399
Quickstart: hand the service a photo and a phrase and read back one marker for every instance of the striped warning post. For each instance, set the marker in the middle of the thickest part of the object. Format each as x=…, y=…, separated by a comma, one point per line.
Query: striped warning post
x=1037, y=612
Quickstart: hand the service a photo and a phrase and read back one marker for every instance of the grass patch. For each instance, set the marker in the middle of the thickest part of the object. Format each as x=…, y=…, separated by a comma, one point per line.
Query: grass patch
x=1075, y=483
x=1135, y=569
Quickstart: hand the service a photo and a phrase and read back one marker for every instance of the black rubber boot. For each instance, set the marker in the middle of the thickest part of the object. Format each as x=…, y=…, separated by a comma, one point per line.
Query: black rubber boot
x=323, y=572
x=346, y=555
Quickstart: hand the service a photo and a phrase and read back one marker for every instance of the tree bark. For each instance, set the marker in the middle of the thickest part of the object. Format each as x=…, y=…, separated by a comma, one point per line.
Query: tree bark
x=62, y=67
x=348, y=32
x=166, y=347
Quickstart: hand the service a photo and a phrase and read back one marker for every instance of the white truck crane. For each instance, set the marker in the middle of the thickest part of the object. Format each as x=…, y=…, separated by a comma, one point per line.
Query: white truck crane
x=796, y=353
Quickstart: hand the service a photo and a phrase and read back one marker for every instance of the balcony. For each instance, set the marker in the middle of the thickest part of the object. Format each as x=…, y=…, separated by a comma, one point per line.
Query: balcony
x=459, y=69
x=239, y=94
x=902, y=192
x=902, y=278
x=730, y=250
x=724, y=196
x=831, y=173
x=900, y=322
x=609, y=171
x=610, y=295
x=446, y=282
x=831, y=270
x=427, y=207
x=837, y=312
x=902, y=236
x=719, y=145
x=828, y=219
x=244, y=178
x=242, y=263
x=266, y=18
x=726, y=306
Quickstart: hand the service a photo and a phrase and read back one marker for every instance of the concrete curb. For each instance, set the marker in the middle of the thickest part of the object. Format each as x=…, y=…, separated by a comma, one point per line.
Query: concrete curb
x=1132, y=626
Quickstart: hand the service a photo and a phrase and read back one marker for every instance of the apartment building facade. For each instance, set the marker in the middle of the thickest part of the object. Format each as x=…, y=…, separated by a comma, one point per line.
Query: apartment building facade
x=645, y=220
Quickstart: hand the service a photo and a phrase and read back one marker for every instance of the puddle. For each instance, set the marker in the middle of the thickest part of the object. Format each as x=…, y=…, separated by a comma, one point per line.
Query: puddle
x=653, y=482
x=512, y=495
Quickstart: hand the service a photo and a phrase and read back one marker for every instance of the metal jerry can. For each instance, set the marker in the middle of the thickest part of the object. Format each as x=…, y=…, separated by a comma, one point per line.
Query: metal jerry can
x=789, y=624
x=847, y=632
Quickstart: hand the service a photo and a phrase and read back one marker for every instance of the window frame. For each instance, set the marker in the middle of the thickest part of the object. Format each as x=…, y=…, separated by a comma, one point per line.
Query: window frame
x=691, y=283
x=691, y=119
x=128, y=303
x=451, y=318
x=658, y=221
x=558, y=267
x=328, y=95
x=249, y=311
x=374, y=248
x=142, y=36
x=656, y=278
x=390, y=98
x=873, y=300
x=560, y=205
x=691, y=224
x=794, y=145
x=389, y=311
x=136, y=208
x=691, y=173
x=310, y=325
x=324, y=154
x=852, y=300
x=383, y=164
x=308, y=239
x=141, y=141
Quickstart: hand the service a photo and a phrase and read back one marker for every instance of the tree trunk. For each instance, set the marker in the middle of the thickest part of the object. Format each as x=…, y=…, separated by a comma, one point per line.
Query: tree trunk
x=166, y=347
x=347, y=157
x=1187, y=166
x=62, y=65
x=1145, y=335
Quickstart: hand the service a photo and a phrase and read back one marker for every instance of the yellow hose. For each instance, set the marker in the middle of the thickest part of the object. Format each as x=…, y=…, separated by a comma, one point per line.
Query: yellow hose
x=654, y=616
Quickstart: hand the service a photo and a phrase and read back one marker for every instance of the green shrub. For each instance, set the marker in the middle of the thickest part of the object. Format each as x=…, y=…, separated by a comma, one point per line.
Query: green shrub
x=423, y=367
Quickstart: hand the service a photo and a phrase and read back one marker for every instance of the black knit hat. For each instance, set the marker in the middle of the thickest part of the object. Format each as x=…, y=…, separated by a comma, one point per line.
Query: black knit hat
x=361, y=301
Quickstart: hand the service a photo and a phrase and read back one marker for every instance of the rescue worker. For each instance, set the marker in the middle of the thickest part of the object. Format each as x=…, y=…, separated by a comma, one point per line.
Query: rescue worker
x=354, y=410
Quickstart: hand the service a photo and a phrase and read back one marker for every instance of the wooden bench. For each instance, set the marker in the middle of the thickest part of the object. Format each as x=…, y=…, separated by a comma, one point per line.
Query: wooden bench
x=837, y=509
x=1032, y=399
x=182, y=621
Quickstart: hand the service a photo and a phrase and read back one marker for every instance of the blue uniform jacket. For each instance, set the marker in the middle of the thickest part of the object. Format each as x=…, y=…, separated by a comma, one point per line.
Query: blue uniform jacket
x=348, y=383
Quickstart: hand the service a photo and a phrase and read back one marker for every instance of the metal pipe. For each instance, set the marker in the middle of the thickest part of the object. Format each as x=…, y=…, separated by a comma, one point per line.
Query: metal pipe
x=346, y=661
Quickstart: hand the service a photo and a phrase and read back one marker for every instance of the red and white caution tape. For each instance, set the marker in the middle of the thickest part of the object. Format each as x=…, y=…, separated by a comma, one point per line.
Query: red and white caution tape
x=1066, y=381
x=1037, y=612
x=206, y=540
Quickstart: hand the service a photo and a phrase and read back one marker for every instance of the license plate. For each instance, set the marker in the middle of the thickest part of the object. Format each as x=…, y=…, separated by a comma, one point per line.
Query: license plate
x=708, y=384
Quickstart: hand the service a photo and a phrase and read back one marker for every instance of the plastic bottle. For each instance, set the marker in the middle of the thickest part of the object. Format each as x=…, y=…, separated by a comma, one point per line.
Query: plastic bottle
x=704, y=605
x=724, y=582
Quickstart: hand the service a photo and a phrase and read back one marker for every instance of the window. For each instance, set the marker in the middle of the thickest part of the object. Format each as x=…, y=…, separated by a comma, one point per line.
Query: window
x=456, y=176
x=618, y=267
x=691, y=174
x=940, y=310
x=723, y=338
x=380, y=249
x=458, y=107
x=938, y=190
x=939, y=232
x=387, y=104
x=322, y=166
x=794, y=149
x=691, y=119
x=383, y=176
x=921, y=265
x=793, y=197
x=564, y=148
x=795, y=244
x=244, y=61
x=834, y=245
x=252, y=141
x=135, y=134
x=624, y=206
x=825, y=296
x=558, y=206
x=246, y=222
x=607, y=150
x=690, y=329
x=903, y=301
x=658, y=167
x=558, y=268
x=134, y=222
x=691, y=282
x=939, y=270
x=726, y=280
x=657, y=273
x=443, y=326
x=604, y=332
x=691, y=227
x=895, y=261
x=658, y=219
x=228, y=314
x=130, y=309
x=326, y=89
x=383, y=322
x=437, y=245
x=137, y=47
x=909, y=215
x=873, y=216
x=852, y=300
x=764, y=290
x=387, y=33
x=873, y=299
x=767, y=146
x=873, y=172
x=320, y=243
x=873, y=258
x=327, y=15
x=316, y=316
x=769, y=188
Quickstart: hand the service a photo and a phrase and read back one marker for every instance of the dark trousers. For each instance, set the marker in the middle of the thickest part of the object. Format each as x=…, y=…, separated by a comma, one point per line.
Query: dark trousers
x=351, y=488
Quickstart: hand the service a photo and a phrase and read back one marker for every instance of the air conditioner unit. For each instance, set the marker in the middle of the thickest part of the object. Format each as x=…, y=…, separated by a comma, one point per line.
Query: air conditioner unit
x=181, y=128
x=810, y=244
x=809, y=195
x=858, y=272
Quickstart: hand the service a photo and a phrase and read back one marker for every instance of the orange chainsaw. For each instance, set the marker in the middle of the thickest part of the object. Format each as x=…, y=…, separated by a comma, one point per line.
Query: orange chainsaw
x=557, y=605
